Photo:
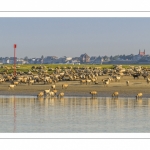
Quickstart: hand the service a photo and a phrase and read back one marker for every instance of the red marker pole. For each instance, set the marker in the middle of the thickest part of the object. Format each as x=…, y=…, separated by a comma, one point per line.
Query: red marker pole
x=15, y=59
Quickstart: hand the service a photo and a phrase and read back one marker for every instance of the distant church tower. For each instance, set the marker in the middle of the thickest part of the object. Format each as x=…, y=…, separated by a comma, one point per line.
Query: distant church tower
x=142, y=53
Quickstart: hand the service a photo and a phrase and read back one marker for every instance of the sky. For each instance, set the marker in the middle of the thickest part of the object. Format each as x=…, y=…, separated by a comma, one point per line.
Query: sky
x=72, y=37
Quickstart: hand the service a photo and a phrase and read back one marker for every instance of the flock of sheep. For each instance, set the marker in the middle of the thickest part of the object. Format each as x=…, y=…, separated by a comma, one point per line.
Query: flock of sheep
x=84, y=75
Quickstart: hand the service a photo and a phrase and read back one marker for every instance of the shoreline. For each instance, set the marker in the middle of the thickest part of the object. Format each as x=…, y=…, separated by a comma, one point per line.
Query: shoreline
x=75, y=89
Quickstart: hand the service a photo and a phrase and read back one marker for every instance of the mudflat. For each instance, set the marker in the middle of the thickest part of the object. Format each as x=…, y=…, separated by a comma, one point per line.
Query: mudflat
x=77, y=89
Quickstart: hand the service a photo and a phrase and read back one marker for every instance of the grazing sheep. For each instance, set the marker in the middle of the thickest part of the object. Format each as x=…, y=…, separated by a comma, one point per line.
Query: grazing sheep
x=139, y=95
x=40, y=94
x=127, y=83
x=11, y=86
x=93, y=93
x=61, y=94
x=64, y=86
x=115, y=94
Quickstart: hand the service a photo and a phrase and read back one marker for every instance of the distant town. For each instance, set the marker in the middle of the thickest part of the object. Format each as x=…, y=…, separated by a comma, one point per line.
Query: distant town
x=140, y=58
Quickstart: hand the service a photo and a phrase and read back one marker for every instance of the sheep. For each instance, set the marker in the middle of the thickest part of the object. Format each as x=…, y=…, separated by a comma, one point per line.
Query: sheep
x=55, y=91
x=46, y=92
x=117, y=78
x=11, y=86
x=88, y=81
x=96, y=82
x=136, y=75
x=30, y=82
x=93, y=79
x=61, y=94
x=93, y=93
x=40, y=94
x=139, y=95
x=64, y=86
x=115, y=94
x=127, y=83
x=52, y=94
x=148, y=80
x=53, y=86
x=106, y=82
x=82, y=81
x=16, y=83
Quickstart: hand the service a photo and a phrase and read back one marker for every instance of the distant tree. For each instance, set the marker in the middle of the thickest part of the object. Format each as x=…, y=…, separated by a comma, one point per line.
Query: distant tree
x=105, y=58
x=116, y=57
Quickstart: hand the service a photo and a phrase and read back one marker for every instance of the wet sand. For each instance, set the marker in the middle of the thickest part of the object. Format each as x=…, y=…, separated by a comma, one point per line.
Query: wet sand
x=76, y=89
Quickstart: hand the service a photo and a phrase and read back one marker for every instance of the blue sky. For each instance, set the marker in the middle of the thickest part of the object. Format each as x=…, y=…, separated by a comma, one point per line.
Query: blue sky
x=74, y=36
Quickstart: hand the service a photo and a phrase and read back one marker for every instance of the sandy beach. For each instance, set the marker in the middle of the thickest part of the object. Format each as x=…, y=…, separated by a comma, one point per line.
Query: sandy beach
x=76, y=89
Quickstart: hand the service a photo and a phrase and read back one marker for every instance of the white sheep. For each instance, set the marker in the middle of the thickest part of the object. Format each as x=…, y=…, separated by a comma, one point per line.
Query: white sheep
x=64, y=86
x=93, y=93
x=61, y=94
x=52, y=94
x=115, y=94
x=11, y=86
x=139, y=95
x=40, y=94
x=53, y=86
x=46, y=92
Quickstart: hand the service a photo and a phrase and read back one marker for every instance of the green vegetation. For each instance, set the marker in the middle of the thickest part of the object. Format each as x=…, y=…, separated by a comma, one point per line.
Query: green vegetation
x=50, y=67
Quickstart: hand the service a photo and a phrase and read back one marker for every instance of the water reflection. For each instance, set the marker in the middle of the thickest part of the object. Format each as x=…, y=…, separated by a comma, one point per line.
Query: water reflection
x=105, y=101
x=74, y=114
x=15, y=115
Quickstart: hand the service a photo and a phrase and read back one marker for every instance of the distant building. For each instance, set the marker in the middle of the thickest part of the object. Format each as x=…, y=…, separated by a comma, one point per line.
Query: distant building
x=50, y=59
x=139, y=56
x=142, y=53
x=97, y=60
x=84, y=58
x=11, y=60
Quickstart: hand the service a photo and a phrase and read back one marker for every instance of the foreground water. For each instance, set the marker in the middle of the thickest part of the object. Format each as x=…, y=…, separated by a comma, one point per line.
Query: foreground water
x=73, y=115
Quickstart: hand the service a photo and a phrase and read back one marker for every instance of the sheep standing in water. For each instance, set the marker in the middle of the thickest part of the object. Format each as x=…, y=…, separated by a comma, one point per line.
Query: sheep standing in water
x=55, y=91
x=139, y=95
x=46, y=92
x=93, y=93
x=40, y=94
x=115, y=94
x=52, y=94
x=61, y=94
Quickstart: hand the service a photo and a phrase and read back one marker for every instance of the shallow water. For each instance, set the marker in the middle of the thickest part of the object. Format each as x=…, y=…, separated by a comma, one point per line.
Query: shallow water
x=74, y=115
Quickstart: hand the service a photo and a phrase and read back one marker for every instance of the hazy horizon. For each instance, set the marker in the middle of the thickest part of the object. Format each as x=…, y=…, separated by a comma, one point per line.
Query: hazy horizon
x=74, y=36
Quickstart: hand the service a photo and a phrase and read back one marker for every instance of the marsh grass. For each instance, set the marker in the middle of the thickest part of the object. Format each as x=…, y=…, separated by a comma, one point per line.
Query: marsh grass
x=27, y=67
